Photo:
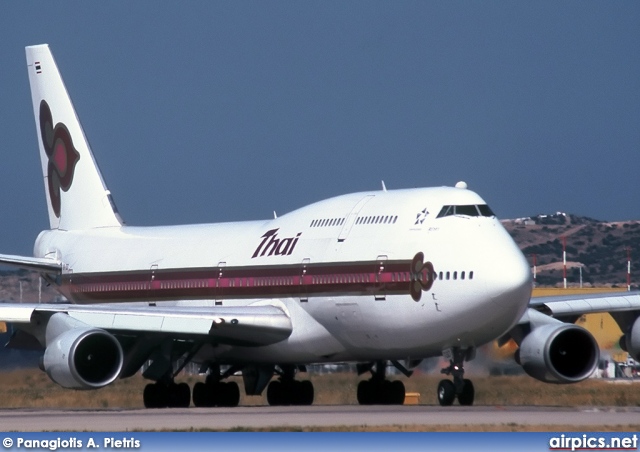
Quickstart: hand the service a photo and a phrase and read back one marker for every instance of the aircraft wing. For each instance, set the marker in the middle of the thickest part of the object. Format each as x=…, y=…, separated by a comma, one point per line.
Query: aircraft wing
x=32, y=263
x=242, y=325
x=573, y=305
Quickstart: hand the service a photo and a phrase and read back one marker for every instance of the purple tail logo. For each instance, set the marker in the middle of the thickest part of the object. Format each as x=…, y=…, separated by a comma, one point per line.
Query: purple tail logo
x=63, y=157
x=272, y=245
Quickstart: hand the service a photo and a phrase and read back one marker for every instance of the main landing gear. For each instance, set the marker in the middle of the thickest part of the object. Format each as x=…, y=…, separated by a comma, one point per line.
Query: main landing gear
x=215, y=392
x=286, y=390
x=378, y=390
x=460, y=387
x=167, y=394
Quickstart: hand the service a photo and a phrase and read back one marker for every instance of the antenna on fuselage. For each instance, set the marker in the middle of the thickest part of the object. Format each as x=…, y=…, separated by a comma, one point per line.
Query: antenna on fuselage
x=384, y=187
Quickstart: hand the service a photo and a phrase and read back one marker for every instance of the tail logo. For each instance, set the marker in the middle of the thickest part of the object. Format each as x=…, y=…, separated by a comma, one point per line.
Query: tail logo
x=62, y=155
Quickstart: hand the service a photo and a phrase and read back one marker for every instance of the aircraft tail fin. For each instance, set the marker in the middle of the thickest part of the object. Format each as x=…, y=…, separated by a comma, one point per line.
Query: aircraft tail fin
x=77, y=196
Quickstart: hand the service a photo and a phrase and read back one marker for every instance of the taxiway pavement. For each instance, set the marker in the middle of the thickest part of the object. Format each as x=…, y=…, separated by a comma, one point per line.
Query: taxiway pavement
x=316, y=416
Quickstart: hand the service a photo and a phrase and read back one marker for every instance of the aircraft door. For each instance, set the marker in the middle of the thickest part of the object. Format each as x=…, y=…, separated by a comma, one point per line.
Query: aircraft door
x=380, y=291
x=304, y=280
x=351, y=218
x=220, y=283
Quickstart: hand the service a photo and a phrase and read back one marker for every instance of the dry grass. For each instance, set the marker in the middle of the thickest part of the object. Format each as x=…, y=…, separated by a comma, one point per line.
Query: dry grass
x=33, y=389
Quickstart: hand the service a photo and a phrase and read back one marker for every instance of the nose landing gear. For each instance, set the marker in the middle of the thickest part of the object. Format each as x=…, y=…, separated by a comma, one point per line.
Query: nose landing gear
x=460, y=387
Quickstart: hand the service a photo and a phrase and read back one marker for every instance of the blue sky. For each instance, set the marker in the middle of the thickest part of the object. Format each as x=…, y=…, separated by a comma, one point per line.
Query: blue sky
x=211, y=111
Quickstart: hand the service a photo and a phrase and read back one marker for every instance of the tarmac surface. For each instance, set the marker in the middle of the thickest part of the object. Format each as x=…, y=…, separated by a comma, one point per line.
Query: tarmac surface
x=316, y=416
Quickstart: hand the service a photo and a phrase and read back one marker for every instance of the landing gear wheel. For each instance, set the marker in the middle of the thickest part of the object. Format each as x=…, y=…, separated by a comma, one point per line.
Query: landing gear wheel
x=275, y=393
x=176, y=395
x=396, y=393
x=365, y=396
x=306, y=393
x=149, y=396
x=468, y=392
x=216, y=394
x=229, y=394
x=290, y=392
x=446, y=392
x=155, y=396
x=201, y=395
x=381, y=392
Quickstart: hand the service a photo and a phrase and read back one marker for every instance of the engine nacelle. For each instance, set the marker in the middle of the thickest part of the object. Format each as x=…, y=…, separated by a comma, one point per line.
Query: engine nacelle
x=559, y=353
x=83, y=358
x=631, y=342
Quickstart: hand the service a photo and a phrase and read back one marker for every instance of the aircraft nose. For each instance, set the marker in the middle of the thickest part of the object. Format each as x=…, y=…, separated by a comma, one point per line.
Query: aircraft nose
x=510, y=282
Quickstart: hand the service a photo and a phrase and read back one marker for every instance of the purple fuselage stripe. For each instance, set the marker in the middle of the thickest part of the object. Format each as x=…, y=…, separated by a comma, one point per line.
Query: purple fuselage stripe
x=219, y=283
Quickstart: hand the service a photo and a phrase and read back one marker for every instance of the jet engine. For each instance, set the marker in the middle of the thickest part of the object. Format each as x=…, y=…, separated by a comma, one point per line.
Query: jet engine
x=631, y=342
x=559, y=353
x=83, y=358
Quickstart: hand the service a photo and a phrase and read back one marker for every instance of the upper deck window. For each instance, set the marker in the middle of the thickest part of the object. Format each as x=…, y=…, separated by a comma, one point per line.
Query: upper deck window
x=470, y=210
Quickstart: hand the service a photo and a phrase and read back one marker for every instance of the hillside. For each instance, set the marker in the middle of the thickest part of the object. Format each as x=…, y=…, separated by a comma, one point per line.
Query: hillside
x=22, y=285
x=598, y=247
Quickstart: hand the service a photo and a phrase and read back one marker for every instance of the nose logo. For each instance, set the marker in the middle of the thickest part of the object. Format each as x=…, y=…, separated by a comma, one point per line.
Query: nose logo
x=421, y=216
x=62, y=155
x=421, y=276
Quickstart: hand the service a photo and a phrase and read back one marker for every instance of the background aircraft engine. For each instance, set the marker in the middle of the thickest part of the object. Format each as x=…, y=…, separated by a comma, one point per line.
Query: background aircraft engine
x=559, y=353
x=83, y=358
x=631, y=342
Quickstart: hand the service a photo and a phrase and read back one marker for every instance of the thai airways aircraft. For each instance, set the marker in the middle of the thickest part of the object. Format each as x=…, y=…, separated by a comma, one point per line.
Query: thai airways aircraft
x=390, y=276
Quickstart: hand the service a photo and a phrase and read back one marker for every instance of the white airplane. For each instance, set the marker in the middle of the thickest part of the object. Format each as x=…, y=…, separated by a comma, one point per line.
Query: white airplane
x=376, y=277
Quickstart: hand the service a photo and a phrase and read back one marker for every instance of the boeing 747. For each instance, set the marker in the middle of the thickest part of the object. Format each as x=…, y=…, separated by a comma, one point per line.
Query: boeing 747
x=378, y=278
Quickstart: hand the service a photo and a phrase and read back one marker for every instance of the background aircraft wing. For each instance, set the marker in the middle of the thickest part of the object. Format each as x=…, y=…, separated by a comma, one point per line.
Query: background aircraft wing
x=576, y=305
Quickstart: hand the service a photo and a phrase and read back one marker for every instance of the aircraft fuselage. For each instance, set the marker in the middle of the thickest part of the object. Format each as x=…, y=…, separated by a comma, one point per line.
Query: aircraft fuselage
x=365, y=276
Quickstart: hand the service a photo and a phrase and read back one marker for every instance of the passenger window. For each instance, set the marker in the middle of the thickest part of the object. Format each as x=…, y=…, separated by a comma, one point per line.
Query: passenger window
x=448, y=276
x=471, y=275
x=462, y=275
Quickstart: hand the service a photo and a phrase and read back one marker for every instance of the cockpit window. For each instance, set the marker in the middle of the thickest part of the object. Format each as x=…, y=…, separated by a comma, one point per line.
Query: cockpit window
x=485, y=210
x=445, y=211
x=471, y=210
